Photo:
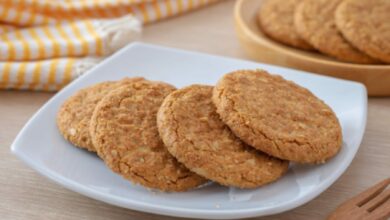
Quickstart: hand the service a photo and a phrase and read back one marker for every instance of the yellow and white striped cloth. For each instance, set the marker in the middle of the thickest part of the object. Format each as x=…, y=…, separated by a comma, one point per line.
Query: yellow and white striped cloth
x=45, y=44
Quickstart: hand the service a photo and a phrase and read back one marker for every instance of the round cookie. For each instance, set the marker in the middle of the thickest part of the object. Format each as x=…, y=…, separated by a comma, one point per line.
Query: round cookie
x=277, y=116
x=276, y=19
x=366, y=25
x=314, y=21
x=193, y=133
x=74, y=115
x=124, y=133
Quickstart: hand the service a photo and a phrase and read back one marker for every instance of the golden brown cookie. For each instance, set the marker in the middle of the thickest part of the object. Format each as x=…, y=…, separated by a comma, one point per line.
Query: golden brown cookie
x=366, y=25
x=314, y=21
x=277, y=116
x=124, y=132
x=276, y=19
x=193, y=133
x=74, y=116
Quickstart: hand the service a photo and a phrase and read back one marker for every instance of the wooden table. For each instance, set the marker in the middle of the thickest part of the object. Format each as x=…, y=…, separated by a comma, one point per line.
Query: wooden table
x=24, y=194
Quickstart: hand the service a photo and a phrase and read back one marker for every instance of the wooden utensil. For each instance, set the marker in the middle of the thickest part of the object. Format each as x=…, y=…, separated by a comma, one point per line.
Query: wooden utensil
x=259, y=47
x=372, y=204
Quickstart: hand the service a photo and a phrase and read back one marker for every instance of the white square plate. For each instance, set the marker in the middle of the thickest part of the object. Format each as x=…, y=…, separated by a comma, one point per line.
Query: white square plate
x=41, y=146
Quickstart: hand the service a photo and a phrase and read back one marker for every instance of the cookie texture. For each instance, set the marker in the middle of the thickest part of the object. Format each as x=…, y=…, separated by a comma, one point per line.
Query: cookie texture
x=366, y=25
x=314, y=21
x=276, y=19
x=277, y=116
x=193, y=132
x=124, y=133
x=74, y=115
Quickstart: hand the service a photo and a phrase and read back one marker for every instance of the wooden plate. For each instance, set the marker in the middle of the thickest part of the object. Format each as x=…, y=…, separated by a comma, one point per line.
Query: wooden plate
x=259, y=47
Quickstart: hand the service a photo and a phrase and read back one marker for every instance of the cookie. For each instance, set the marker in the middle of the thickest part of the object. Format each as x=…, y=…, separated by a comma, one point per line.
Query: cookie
x=366, y=25
x=124, y=133
x=277, y=116
x=193, y=133
x=276, y=19
x=314, y=21
x=74, y=115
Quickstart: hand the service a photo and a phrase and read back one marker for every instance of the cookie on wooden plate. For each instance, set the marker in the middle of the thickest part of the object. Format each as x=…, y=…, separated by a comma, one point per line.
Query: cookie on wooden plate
x=193, y=132
x=366, y=25
x=277, y=116
x=314, y=21
x=74, y=115
x=276, y=19
x=124, y=133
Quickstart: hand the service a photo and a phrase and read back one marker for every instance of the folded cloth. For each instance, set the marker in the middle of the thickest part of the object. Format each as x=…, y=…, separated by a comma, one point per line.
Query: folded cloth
x=45, y=44
x=68, y=39
x=43, y=75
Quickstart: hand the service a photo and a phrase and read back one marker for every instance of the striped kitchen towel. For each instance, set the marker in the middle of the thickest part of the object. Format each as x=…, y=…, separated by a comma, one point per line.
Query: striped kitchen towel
x=45, y=44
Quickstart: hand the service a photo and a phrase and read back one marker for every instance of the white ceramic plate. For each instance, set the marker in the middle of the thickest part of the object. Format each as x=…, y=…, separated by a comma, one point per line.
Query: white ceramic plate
x=40, y=145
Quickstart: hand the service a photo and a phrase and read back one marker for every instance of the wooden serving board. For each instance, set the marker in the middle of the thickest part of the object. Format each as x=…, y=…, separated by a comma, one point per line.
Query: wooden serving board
x=259, y=47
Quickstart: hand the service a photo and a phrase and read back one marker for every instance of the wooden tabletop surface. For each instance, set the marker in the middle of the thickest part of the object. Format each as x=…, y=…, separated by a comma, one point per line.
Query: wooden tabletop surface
x=24, y=194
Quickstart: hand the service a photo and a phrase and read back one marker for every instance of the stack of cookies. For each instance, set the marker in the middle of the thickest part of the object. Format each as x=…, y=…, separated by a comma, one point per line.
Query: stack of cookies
x=242, y=133
x=355, y=31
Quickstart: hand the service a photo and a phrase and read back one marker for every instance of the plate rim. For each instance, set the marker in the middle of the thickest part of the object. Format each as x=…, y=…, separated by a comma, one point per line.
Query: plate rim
x=180, y=211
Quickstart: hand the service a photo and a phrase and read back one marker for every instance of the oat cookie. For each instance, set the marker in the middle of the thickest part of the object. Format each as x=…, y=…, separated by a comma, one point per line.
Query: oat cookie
x=74, y=116
x=276, y=19
x=124, y=133
x=192, y=131
x=366, y=25
x=277, y=116
x=314, y=22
